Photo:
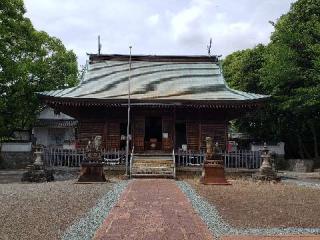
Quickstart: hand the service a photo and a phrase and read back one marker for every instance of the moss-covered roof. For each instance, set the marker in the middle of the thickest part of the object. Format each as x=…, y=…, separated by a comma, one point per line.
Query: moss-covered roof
x=153, y=78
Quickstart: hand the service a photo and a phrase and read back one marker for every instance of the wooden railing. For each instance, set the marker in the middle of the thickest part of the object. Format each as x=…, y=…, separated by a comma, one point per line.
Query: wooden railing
x=58, y=157
x=242, y=159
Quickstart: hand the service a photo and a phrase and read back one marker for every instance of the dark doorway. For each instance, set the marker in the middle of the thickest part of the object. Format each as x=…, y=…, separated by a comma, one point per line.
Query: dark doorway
x=123, y=135
x=153, y=133
x=181, y=134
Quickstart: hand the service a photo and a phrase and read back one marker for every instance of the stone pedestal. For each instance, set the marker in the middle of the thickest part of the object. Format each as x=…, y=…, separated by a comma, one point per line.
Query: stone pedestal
x=37, y=172
x=213, y=167
x=213, y=173
x=91, y=172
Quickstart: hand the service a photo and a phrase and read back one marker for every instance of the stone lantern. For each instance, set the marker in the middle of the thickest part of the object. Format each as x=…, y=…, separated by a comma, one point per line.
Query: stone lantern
x=37, y=172
x=266, y=172
x=213, y=166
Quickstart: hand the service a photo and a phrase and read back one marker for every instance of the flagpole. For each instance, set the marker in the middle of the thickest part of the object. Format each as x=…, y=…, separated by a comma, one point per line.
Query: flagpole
x=128, y=123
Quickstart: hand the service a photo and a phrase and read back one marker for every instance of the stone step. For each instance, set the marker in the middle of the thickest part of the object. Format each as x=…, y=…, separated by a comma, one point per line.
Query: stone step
x=153, y=164
x=157, y=173
x=142, y=175
x=154, y=169
x=152, y=161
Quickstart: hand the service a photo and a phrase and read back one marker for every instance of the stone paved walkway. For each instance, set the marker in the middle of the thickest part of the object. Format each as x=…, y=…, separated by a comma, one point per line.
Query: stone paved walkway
x=157, y=209
x=153, y=209
x=271, y=238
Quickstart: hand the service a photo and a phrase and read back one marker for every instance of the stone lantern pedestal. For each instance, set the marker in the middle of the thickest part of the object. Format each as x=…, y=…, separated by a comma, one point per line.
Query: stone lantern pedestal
x=213, y=167
x=91, y=172
x=37, y=171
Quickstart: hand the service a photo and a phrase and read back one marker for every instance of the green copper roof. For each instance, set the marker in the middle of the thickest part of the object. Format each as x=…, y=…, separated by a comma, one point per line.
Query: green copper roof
x=154, y=78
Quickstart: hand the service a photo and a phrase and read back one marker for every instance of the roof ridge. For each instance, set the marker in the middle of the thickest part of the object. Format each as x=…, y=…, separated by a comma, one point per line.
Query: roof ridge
x=150, y=58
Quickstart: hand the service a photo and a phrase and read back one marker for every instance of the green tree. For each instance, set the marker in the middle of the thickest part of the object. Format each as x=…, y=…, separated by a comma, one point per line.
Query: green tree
x=30, y=61
x=288, y=69
x=292, y=73
x=242, y=69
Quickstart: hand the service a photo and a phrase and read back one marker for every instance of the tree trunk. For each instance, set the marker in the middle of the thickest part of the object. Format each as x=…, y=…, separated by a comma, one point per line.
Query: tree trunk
x=308, y=155
x=300, y=145
x=315, y=139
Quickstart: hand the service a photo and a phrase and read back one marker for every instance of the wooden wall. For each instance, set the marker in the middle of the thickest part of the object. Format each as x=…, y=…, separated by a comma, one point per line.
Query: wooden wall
x=113, y=134
x=138, y=133
x=199, y=125
x=217, y=131
x=192, y=128
x=88, y=129
x=168, y=127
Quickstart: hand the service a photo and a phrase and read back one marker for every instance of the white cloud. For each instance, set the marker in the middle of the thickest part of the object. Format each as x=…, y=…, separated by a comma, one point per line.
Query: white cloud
x=153, y=20
x=157, y=27
x=186, y=24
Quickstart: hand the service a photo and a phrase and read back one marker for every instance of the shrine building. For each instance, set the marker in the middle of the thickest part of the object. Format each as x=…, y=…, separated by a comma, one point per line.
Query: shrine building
x=176, y=101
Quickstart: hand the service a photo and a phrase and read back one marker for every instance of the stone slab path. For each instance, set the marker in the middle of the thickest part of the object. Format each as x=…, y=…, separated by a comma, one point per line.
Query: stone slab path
x=157, y=209
x=153, y=209
x=271, y=238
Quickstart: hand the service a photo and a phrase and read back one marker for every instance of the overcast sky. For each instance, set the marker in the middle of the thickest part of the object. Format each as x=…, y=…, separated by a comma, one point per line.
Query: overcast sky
x=157, y=26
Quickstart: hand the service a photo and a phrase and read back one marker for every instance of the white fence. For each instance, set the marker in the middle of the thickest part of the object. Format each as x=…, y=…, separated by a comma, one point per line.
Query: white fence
x=242, y=159
x=59, y=157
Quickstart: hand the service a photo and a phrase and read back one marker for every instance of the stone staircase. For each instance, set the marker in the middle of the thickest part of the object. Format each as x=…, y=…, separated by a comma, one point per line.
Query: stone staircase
x=153, y=165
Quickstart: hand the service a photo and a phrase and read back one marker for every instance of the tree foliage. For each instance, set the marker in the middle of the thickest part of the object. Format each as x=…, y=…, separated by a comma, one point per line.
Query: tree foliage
x=288, y=68
x=30, y=61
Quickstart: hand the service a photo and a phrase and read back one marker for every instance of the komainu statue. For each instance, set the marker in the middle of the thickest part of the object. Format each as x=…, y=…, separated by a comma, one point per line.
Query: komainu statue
x=213, y=166
x=93, y=150
x=91, y=169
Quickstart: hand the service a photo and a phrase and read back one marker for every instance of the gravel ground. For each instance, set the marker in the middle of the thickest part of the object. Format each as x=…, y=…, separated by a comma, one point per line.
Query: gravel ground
x=219, y=227
x=256, y=204
x=45, y=210
x=86, y=227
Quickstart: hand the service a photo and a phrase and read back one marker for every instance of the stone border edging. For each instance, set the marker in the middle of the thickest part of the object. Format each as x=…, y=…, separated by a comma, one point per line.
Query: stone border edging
x=302, y=183
x=86, y=227
x=210, y=215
